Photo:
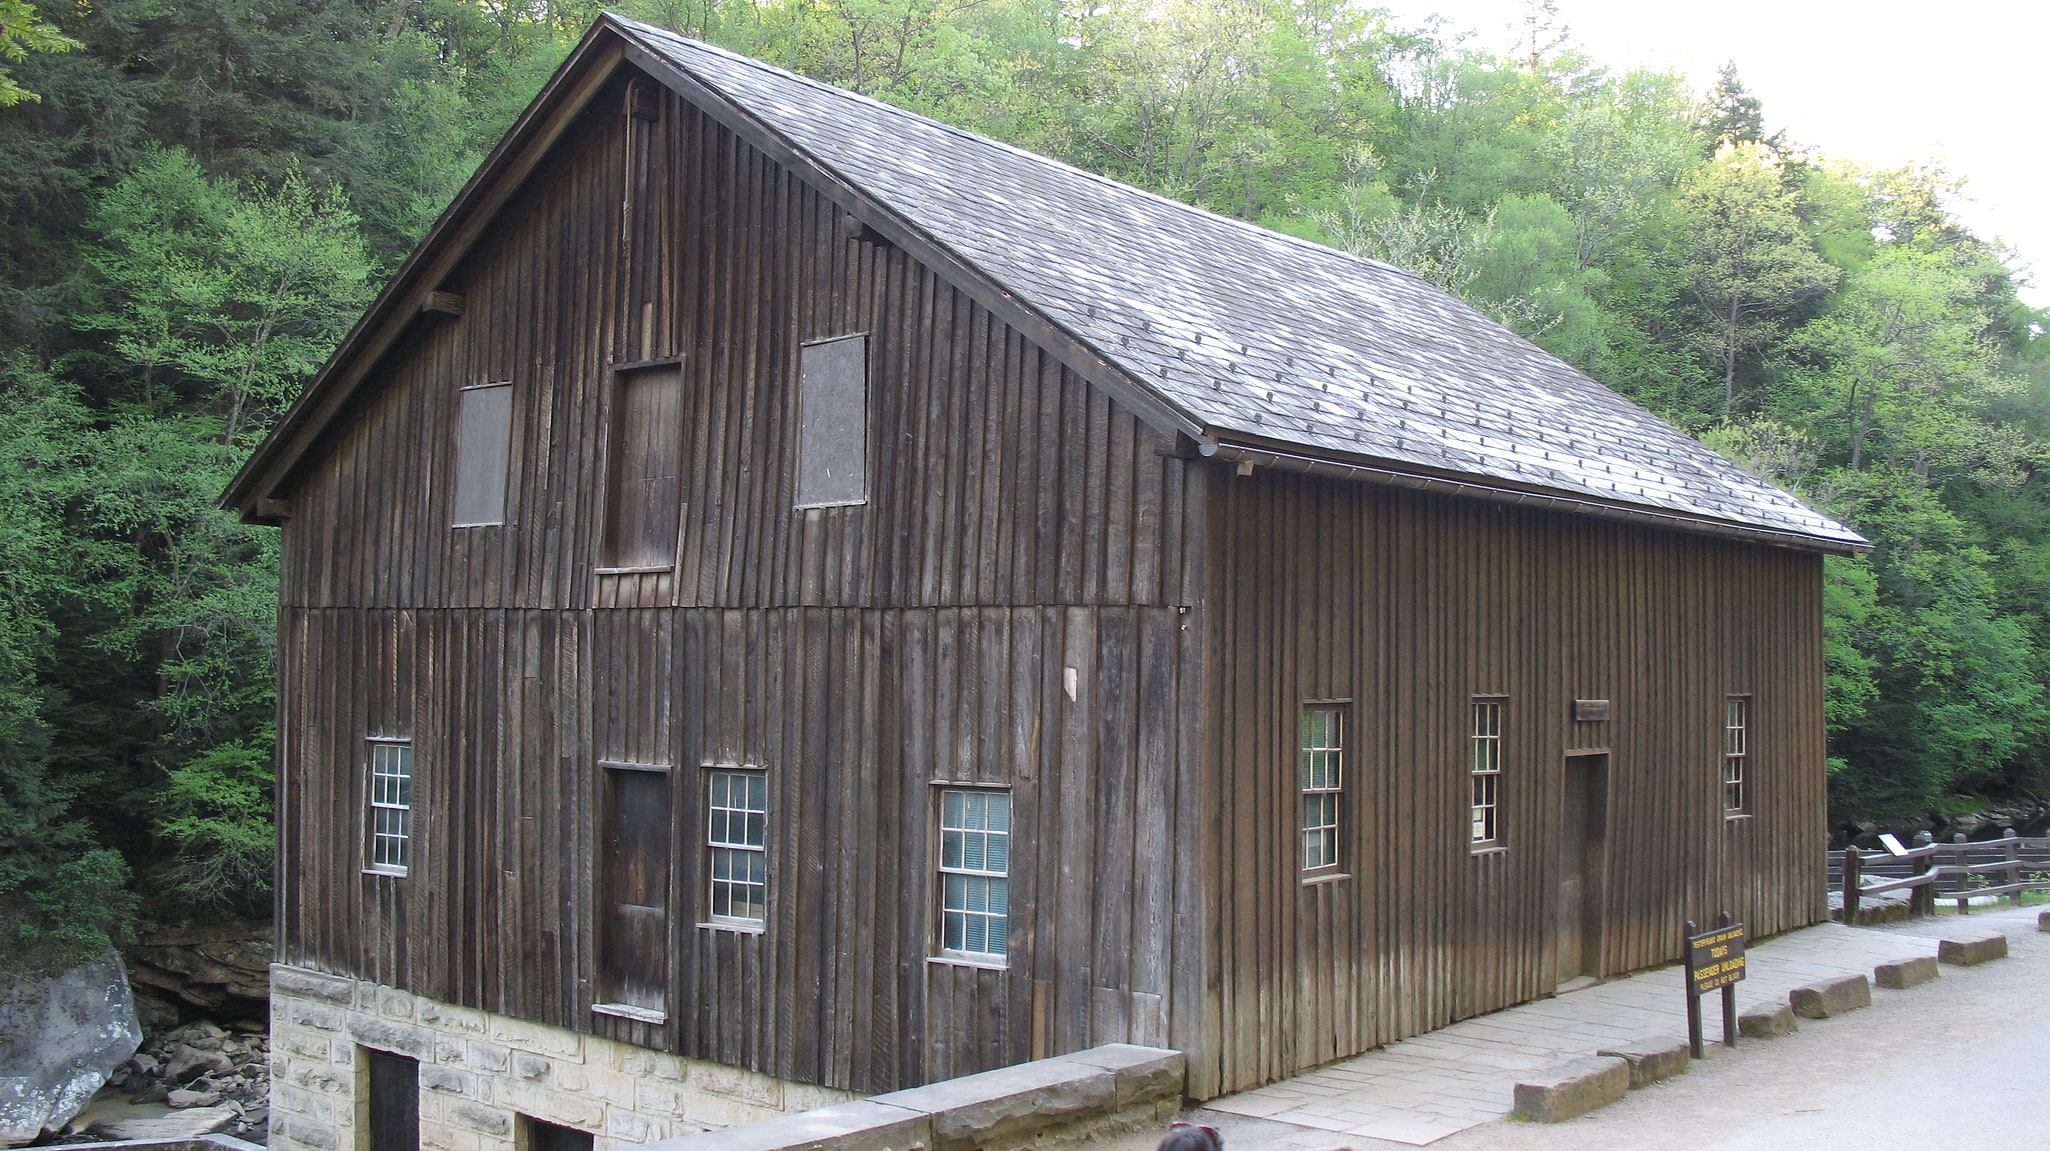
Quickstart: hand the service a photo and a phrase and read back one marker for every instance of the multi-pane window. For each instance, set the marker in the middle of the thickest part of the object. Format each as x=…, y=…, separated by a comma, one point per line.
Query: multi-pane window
x=1322, y=769
x=1736, y=752
x=1485, y=769
x=975, y=868
x=738, y=835
x=391, y=805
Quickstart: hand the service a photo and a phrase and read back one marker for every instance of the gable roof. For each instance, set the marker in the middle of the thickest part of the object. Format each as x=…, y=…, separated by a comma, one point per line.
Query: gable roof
x=1256, y=345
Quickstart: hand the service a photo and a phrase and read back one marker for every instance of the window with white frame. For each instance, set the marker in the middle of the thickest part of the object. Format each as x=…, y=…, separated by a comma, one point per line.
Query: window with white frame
x=737, y=836
x=975, y=869
x=1485, y=768
x=1321, y=766
x=391, y=805
x=1736, y=754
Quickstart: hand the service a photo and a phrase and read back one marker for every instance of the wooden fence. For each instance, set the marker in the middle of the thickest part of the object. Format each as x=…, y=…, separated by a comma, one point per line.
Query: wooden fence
x=1931, y=871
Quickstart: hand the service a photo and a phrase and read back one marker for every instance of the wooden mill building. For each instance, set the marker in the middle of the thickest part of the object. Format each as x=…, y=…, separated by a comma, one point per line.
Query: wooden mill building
x=784, y=584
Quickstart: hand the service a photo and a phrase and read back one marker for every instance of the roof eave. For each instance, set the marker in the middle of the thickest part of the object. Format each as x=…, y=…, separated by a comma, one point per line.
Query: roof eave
x=1233, y=449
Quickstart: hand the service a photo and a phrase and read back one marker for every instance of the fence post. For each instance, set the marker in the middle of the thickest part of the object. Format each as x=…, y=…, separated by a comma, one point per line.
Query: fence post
x=2014, y=856
x=1854, y=882
x=1922, y=899
x=1964, y=862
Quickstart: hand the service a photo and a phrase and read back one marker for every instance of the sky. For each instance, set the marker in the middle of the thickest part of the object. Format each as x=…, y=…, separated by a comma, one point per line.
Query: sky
x=1965, y=84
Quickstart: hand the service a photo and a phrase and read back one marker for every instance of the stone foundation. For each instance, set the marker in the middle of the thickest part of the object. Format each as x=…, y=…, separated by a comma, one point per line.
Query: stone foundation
x=479, y=1072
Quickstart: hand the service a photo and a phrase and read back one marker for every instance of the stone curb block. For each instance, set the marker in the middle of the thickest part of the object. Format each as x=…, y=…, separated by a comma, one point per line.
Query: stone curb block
x=1970, y=950
x=1831, y=997
x=1011, y=1106
x=1651, y=1058
x=1143, y=1074
x=1906, y=973
x=1001, y=1105
x=863, y=1125
x=1571, y=1089
x=1767, y=1021
x=2043, y=921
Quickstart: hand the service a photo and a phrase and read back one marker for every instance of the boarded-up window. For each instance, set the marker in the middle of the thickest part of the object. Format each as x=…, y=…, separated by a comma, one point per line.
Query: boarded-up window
x=483, y=455
x=633, y=955
x=394, y=1101
x=643, y=497
x=832, y=442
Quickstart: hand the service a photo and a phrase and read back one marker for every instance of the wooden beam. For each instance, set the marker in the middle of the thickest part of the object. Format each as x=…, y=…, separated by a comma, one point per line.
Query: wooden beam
x=442, y=304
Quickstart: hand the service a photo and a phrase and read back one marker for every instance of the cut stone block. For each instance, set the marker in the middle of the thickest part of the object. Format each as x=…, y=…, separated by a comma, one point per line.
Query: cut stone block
x=863, y=1125
x=1767, y=1021
x=1906, y=973
x=1571, y=1089
x=2043, y=921
x=1832, y=997
x=1968, y=950
x=1008, y=1103
x=1651, y=1058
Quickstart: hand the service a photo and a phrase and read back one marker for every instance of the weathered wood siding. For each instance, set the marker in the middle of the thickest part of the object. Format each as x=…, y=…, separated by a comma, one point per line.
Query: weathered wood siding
x=1019, y=523
x=1409, y=605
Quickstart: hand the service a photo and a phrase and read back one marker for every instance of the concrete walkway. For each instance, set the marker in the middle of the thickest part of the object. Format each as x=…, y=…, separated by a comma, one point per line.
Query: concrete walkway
x=1424, y=1089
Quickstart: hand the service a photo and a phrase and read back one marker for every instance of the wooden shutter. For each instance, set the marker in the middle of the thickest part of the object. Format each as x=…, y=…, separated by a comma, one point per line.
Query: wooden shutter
x=832, y=449
x=644, y=491
x=483, y=455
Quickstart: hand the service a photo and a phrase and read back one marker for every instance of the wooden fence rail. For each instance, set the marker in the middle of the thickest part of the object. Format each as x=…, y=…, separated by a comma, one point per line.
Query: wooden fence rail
x=1930, y=871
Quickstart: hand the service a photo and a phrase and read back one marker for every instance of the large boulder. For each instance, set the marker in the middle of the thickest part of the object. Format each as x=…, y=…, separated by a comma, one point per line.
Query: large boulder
x=61, y=1037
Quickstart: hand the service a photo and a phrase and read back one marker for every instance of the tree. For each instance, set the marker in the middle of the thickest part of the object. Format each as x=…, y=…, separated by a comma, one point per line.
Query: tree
x=231, y=299
x=22, y=32
x=1750, y=262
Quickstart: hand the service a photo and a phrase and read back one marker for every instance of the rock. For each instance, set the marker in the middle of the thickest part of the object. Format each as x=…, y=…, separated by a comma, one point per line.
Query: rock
x=156, y=1015
x=1651, y=1058
x=190, y=1123
x=1832, y=997
x=61, y=1038
x=145, y=1064
x=182, y=1098
x=185, y=1063
x=1906, y=973
x=209, y=966
x=1767, y=1021
x=2043, y=921
x=1571, y=1089
x=1972, y=949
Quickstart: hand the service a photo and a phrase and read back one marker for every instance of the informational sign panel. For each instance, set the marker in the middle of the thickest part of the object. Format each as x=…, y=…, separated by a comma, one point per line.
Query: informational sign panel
x=1715, y=958
x=1715, y=962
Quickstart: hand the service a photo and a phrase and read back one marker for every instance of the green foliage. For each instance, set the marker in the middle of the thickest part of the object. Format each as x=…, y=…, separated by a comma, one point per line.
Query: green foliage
x=22, y=32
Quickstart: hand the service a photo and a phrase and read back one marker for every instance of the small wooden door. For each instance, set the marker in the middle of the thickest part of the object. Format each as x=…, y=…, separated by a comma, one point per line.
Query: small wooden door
x=1582, y=834
x=394, y=1102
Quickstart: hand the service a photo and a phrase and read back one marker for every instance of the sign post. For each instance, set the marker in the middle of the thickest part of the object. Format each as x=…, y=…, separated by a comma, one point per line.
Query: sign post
x=1714, y=961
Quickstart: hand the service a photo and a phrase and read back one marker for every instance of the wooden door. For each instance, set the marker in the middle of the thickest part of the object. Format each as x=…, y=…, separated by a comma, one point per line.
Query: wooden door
x=1582, y=833
x=394, y=1102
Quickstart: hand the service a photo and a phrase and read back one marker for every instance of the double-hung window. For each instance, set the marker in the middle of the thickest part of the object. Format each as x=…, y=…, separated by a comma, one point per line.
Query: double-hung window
x=391, y=805
x=1485, y=769
x=737, y=837
x=1736, y=754
x=1321, y=771
x=975, y=870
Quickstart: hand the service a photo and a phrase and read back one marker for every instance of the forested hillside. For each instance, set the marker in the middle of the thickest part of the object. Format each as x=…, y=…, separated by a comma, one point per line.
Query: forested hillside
x=200, y=198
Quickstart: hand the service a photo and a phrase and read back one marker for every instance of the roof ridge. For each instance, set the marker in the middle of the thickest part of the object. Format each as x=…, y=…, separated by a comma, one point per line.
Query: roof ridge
x=956, y=130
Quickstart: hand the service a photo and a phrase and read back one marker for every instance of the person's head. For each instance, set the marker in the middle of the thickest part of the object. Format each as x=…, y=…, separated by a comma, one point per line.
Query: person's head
x=1191, y=1137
